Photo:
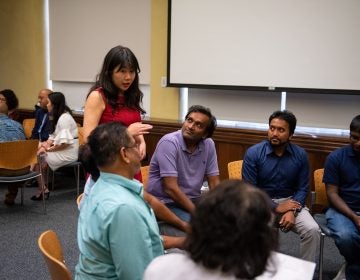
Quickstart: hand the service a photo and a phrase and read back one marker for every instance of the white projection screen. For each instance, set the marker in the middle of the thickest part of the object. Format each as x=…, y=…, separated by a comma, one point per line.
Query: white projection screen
x=279, y=45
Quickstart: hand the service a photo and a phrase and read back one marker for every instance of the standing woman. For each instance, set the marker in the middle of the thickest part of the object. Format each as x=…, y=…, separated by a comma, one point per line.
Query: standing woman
x=62, y=147
x=116, y=95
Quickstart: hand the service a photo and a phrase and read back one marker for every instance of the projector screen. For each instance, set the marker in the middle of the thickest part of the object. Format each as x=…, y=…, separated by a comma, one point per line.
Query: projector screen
x=279, y=45
x=83, y=31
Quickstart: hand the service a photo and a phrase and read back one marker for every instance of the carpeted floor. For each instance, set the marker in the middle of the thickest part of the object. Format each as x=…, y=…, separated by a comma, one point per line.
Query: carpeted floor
x=20, y=227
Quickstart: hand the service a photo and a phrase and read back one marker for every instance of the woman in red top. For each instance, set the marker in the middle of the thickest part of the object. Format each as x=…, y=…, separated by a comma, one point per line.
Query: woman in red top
x=116, y=95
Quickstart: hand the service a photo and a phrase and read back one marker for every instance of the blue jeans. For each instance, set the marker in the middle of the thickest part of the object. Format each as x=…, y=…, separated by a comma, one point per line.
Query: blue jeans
x=347, y=238
x=181, y=212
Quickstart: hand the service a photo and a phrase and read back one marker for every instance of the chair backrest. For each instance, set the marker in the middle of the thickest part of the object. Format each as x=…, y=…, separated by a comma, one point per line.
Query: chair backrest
x=320, y=190
x=81, y=135
x=234, y=169
x=145, y=174
x=79, y=198
x=28, y=125
x=52, y=252
x=18, y=154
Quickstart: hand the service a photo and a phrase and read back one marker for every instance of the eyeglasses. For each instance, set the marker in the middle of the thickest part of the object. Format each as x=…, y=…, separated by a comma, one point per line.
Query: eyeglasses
x=136, y=146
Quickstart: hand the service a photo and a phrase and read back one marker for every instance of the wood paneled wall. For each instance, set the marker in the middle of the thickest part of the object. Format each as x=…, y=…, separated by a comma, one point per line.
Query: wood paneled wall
x=231, y=143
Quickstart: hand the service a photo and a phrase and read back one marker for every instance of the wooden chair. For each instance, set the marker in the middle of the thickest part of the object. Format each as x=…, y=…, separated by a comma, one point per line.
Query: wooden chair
x=17, y=155
x=145, y=174
x=319, y=198
x=79, y=198
x=52, y=252
x=81, y=135
x=28, y=125
x=234, y=169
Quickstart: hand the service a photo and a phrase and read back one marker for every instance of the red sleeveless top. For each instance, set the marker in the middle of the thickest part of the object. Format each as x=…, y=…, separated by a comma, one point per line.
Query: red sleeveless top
x=122, y=114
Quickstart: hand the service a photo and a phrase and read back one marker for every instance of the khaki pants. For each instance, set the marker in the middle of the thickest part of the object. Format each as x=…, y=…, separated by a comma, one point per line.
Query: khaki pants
x=309, y=232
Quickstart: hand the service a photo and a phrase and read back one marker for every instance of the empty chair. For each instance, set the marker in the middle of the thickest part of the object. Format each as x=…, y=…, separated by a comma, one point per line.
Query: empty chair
x=52, y=252
x=17, y=155
x=234, y=169
x=28, y=125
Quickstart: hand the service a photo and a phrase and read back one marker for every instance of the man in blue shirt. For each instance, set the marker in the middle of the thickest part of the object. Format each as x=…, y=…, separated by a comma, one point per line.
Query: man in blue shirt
x=342, y=180
x=118, y=234
x=10, y=130
x=281, y=169
x=42, y=123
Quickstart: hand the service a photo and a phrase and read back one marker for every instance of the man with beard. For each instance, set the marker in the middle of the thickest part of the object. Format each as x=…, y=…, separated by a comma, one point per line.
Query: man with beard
x=281, y=169
x=342, y=180
x=183, y=160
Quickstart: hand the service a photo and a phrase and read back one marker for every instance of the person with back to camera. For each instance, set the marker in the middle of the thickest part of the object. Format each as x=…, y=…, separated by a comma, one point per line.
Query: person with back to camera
x=10, y=130
x=231, y=237
x=282, y=170
x=117, y=231
x=342, y=181
x=116, y=96
x=62, y=147
x=183, y=160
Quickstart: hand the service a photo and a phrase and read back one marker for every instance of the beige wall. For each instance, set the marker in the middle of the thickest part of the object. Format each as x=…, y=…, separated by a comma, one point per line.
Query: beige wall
x=164, y=101
x=22, y=55
x=22, y=51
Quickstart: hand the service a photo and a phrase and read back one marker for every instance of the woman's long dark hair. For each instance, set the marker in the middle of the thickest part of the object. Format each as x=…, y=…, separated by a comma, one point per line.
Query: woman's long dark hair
x=59, y=107
x=119, y=56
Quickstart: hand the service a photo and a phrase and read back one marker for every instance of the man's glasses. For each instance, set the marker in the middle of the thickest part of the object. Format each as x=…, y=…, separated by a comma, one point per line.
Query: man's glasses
x=136, y=146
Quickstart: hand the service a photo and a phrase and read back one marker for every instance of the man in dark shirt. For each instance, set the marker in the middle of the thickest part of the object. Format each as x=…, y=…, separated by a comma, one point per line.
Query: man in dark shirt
x=342, y=180
x=281, y=169
x=41, y=128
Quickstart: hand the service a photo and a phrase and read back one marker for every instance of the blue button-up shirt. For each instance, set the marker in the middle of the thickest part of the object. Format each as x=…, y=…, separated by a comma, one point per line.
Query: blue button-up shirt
x=342, y=169
x=279, y=176
x=10, y=130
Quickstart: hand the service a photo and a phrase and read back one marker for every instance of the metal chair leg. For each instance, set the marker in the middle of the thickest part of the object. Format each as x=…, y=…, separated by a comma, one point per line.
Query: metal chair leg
x=321, y=255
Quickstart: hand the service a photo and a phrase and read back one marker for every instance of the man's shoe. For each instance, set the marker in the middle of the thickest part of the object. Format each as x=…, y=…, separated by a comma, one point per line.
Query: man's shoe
x=341, y=273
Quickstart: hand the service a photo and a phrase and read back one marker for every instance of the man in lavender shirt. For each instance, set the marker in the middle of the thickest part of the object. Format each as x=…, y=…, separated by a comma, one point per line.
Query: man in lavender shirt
x=183, y=160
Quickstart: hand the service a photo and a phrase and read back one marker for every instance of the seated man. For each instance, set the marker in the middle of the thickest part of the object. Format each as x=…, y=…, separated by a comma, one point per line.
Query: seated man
x=342, y=180
x=181, y=162
x=117, y=231
x=10, y=130
x=42, y=123
x=281, y=169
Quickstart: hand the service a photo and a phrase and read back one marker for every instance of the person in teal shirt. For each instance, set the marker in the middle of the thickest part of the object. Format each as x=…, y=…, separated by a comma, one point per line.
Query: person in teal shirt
x=118, y=235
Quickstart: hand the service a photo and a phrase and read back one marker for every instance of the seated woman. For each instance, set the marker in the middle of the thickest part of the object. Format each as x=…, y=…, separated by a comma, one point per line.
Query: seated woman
x=62, y=147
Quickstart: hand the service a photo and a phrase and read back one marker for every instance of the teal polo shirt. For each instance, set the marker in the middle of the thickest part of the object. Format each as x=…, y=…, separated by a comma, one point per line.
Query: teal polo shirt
x=117, y=231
